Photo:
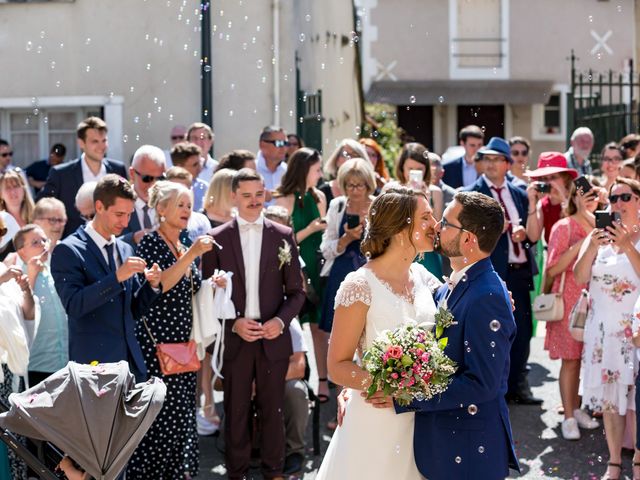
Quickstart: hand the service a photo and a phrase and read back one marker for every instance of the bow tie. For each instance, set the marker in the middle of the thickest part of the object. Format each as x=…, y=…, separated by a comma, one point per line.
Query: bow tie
x=247, y=227
x=449, y=282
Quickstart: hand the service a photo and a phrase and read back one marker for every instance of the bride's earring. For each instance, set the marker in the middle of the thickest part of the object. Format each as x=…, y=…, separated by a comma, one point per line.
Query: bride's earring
x=162, y=219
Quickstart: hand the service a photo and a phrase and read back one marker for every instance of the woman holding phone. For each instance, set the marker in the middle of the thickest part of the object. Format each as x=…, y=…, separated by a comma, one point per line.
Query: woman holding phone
x=609, y=260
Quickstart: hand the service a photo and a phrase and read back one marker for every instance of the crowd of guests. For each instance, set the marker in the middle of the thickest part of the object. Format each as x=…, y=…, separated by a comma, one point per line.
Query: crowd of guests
x=101, y=262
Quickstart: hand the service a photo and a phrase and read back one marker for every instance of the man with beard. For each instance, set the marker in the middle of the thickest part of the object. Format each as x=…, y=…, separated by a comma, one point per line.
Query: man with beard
x=267, y=293
x=465, y=432
x=578, y=154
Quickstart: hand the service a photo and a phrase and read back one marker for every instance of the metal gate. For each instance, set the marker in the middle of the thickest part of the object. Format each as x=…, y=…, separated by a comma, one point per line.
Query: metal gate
x=605, y=102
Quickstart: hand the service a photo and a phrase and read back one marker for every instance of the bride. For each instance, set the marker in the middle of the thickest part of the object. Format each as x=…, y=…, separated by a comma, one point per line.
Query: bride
x=375, y=443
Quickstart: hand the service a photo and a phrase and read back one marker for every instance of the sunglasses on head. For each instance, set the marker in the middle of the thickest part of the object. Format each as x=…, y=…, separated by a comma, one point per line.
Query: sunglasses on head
x=277, y=143
x=6, y=154
x=150, y=178
x=625, y=197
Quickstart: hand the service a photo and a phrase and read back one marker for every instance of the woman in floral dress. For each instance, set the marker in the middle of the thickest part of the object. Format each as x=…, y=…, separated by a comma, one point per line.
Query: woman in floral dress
x=609, y=260
x=564, y=244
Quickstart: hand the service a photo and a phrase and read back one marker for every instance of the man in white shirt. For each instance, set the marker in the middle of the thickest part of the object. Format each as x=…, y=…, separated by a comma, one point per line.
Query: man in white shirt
x=202, y=135
x=65, y=180
x=96, y=278
x=147, y=167
x=270, y=160
x=267, y=294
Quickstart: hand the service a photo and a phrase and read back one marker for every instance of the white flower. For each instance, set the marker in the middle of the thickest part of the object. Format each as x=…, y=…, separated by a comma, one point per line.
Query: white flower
x=284, y=254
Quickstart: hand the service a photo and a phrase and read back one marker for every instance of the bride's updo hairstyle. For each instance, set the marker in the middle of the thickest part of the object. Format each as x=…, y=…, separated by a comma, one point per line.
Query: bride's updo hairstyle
x=389, y=214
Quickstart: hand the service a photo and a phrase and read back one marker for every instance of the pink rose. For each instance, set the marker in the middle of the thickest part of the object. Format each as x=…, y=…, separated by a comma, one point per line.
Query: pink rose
x=628, y=332
x=385, y=357
x=425, y=357
x=394, y=375
x=419, y=351
x=394, y=351
x=426, y=377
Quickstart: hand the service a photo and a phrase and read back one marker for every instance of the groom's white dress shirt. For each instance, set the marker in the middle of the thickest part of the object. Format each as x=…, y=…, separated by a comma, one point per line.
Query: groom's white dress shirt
x=251, y=242
x=457, y=276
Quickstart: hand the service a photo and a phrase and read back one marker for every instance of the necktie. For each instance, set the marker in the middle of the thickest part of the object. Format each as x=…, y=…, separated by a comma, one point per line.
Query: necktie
x=110, y=260
x=516, y=246
x=146, y=219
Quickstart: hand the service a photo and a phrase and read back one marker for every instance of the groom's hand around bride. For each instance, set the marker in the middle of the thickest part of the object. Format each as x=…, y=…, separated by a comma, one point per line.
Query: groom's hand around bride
x=378, y=400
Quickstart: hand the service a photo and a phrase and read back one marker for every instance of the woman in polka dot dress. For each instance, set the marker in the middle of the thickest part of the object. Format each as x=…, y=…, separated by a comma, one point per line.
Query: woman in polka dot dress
x=169, y=450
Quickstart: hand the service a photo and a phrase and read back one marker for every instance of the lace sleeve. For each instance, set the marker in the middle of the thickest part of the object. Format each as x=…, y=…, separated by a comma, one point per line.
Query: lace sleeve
x=354, y=288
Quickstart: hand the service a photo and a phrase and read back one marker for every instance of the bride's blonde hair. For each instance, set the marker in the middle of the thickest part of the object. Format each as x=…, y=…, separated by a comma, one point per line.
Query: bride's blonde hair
x=389, y=214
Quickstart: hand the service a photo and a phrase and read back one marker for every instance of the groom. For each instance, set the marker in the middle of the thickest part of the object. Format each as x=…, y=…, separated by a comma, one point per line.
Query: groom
x=465, y=432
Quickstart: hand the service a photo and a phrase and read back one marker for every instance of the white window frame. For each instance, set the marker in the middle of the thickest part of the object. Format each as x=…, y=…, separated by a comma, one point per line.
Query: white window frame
x=112, y=106
x=537, y=117
x=469, y=73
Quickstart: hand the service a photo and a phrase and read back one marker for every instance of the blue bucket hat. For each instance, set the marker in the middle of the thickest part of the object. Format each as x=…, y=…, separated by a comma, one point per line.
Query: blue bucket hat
x=497, y=146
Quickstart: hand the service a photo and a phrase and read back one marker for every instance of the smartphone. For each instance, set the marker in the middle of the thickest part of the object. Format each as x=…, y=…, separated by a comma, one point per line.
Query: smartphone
x=542, y=187
x=353, y=220
x=606, y=219
x=582, y=183
x=416, y=178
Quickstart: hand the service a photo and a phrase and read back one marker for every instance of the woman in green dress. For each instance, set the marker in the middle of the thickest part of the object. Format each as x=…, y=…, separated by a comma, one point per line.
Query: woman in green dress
x=308, y=207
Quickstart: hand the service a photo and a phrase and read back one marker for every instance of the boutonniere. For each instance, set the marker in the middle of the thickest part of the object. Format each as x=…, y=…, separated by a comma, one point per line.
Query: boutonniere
x=284, y=254
x=444, y=319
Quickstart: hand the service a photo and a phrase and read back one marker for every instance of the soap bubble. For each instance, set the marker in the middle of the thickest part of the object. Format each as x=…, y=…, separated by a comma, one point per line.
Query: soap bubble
x=458, y=459
x=412, y=99
x=494, y=325
x=440, y=99
x=472, y=409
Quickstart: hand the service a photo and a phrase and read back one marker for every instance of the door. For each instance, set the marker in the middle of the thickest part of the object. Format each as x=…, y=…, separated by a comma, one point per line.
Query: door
x=490, y=118
x=417, y=121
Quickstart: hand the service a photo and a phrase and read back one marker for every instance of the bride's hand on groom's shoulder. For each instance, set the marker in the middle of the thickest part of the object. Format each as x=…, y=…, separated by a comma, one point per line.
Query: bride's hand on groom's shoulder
x=378, y=400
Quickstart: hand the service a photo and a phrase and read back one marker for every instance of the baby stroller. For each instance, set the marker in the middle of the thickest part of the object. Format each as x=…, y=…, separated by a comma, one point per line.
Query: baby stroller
x=96, y=415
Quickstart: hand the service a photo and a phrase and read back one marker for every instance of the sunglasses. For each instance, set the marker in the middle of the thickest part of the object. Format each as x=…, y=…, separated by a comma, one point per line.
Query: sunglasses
x=519, y=153
x=611, y=159
x=6, y=154
x=55, y=220
x=177, y=137
x=625, y=197
x=444, y=223
x=87, y=218
x=277, y=143
x=150, y=178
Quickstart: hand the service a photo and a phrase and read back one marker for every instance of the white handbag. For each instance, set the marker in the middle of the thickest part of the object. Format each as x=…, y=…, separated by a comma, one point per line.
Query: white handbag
x=549, y=307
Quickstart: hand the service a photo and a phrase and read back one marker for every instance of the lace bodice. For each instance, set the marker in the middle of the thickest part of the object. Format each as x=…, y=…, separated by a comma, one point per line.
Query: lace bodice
x=388, y=310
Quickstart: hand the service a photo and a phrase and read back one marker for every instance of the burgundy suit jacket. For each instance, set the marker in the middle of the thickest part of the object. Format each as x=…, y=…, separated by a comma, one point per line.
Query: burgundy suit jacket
x=281, y=291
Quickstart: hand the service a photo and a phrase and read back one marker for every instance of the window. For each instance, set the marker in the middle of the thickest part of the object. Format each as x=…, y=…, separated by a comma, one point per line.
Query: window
x=552, y=114
x=31, y=136
x=548, y=121
x=479, y=43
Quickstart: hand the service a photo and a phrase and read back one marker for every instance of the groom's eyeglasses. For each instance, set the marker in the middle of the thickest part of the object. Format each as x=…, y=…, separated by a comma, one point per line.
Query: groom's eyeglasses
x=444, y=223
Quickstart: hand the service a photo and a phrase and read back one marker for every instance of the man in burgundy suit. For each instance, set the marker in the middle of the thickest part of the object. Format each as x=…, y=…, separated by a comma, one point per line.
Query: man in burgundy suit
x=267, y=294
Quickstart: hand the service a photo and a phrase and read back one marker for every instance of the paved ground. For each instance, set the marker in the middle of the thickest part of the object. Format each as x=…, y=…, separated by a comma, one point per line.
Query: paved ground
x=541, y=450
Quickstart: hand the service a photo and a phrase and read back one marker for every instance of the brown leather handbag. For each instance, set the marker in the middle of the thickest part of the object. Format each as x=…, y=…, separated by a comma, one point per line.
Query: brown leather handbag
x=175, y=357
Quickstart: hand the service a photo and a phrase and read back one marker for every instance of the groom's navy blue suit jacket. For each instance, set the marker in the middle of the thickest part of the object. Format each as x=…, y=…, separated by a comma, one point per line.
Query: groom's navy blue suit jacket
x=465, y=433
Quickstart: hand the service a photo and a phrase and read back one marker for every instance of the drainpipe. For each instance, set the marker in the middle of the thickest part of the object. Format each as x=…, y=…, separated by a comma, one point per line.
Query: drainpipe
x=206, y=107
x=276, y=64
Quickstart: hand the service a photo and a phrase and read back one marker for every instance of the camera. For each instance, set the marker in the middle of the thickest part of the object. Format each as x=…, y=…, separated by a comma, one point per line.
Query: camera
x=542, y=187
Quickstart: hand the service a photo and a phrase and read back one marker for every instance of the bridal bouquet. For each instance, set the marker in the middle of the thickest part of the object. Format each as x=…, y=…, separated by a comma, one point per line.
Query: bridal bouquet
x=408, y=363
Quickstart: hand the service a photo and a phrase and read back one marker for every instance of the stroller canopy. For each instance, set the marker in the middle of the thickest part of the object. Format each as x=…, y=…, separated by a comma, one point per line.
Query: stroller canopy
x=95, y=414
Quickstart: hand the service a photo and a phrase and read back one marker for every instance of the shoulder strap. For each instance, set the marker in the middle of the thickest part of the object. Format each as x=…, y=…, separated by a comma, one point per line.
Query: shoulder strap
x=153, y=340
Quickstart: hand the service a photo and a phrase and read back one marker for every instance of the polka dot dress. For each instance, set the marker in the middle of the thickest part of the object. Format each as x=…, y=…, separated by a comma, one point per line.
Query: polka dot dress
x=169, y=450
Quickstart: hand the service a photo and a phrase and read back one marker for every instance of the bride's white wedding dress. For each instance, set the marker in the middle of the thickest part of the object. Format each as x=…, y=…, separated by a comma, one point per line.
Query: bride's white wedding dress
x=376, y=443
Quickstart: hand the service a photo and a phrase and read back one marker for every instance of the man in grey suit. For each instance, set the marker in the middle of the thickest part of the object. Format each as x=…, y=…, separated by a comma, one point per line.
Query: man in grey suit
x=65, y=180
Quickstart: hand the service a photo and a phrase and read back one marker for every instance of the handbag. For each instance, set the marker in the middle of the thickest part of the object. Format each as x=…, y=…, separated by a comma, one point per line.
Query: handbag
x=176, y=358
x=549, y=307
x=578, y=316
